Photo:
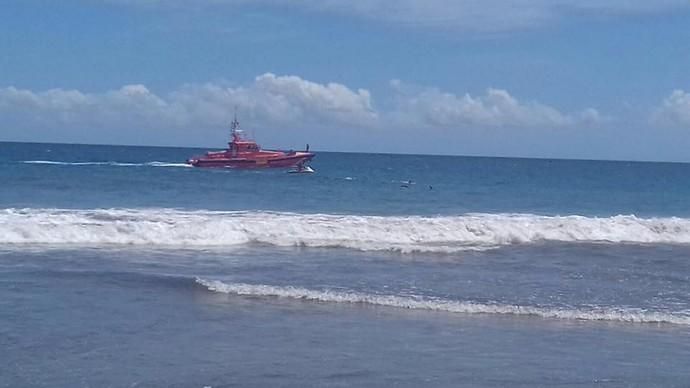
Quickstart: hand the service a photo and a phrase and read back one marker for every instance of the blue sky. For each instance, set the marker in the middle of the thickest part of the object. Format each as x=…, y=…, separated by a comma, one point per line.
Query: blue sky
x=592, y=79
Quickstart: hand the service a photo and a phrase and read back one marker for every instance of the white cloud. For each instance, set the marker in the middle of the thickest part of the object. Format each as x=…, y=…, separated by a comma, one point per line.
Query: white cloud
x=269, y=100
x=674, y=110
x=488, y=15
x=272, y=101
x=434, y=108
x=332, y=102
x=59, y=106
x=475, y=15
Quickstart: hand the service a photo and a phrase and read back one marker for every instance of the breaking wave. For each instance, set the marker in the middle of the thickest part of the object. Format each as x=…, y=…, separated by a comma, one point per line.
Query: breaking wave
x=444, y=305
x=442, y=234
x=118, y=164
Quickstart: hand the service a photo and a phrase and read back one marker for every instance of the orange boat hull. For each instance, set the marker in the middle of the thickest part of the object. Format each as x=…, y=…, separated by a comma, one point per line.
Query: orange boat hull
x=275, y=160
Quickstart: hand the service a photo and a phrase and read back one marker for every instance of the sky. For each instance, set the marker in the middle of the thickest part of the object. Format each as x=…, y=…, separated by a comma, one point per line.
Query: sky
x=586, y=79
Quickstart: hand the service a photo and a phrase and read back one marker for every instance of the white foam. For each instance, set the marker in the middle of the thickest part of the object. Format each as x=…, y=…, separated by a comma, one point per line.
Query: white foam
x=168, y=164
x=66, y=163
x=447, y=234
x=444, y=305
x=117, y=164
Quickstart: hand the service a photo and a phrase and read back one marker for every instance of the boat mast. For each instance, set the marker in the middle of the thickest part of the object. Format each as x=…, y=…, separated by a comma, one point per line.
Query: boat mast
x=235, y=127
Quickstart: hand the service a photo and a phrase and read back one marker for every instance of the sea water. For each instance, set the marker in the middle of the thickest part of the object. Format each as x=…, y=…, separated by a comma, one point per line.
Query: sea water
x=124, y=267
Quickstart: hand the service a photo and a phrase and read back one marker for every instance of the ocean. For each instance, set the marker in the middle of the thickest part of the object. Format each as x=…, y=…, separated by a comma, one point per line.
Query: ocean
x=123, y=267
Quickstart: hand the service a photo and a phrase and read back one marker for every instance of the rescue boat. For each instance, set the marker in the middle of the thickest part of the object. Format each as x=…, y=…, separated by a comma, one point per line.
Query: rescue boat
x=243, y=152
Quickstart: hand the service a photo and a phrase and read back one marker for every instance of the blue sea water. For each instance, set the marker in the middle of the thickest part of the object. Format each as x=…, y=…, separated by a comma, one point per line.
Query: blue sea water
x=121, y=266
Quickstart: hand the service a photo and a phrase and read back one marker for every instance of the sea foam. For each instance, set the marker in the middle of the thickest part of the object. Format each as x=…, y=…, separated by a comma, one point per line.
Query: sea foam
x=616, y=314
x=443, y=234
x=116, y=164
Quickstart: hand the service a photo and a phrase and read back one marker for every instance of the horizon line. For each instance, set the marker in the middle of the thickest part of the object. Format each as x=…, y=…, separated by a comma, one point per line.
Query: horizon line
x=371, y=153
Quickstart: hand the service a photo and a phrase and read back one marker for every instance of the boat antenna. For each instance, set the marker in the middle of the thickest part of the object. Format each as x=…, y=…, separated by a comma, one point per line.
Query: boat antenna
x=235, y=125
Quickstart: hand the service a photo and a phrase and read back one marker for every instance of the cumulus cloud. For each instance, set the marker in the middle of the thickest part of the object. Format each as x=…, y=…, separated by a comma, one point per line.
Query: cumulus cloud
x=477, y=15
x=497, y=108
x=674, y=110
x=60, y=106
x=272, y=101
x=269, y=100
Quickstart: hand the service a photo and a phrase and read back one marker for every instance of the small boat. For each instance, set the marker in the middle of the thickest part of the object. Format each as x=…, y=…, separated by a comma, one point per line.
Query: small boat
x=302, y=169
x=246, y=153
